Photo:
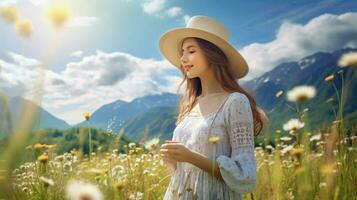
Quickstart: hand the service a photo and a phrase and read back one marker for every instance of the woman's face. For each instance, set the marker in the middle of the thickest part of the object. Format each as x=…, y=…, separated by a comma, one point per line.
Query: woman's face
x=193, y=62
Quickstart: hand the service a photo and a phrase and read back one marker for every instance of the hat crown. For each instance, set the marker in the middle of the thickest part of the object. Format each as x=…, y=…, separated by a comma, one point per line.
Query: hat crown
x=209, y=25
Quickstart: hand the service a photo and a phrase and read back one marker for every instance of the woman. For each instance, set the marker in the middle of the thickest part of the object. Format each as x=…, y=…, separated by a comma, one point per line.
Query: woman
x=211, y=153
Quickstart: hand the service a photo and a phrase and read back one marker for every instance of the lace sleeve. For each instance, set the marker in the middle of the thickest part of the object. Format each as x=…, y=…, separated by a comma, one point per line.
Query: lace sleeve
x=239, y=169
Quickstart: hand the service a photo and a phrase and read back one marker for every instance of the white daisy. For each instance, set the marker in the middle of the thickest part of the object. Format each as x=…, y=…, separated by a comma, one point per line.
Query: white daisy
x=132, y=145
x=301, y=93
x=315, y=137
x=285, y=139
x=46, y=181
x=79, y=190
x=293, y=125
x=348, y=60
x=152, y=144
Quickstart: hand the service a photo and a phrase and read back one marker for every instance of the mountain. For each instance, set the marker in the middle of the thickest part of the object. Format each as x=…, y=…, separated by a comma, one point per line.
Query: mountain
x=311, y=70
x=113, y=116
x=155, y=122
x=43, y=119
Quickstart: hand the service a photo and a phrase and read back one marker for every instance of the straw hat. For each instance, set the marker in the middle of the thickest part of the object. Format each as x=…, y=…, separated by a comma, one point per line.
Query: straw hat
x=208, y=29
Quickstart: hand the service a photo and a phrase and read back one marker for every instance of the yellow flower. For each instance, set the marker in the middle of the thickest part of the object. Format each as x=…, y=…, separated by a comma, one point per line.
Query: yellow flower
x=38, y=146
x=327, y=169
x=59, y=15
x=119, y=185
x=9, y=14
x=86, y=115
x=329, y=78
x=138, y=149
x=279, y=93
x=43, y=159
x=23, y=28
x=214, y=139
x=297, y=151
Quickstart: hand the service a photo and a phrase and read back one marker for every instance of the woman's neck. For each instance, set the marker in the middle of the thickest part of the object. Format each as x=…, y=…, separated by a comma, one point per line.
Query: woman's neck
x=210, y=85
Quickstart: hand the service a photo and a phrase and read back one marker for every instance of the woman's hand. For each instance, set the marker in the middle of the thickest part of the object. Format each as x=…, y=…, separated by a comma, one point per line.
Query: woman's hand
x=175, y=152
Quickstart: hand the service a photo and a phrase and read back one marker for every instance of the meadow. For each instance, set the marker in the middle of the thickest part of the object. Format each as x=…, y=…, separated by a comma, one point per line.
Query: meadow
x=299, y=164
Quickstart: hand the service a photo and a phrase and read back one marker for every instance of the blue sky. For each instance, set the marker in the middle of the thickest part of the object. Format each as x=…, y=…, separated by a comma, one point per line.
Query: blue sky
x=110, y=46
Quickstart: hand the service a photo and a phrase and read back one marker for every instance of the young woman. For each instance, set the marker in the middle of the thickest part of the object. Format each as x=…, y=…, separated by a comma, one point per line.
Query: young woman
x=211, y=153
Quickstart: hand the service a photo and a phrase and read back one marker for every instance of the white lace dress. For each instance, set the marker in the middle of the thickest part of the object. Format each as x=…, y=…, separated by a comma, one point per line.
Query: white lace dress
x=234, y=153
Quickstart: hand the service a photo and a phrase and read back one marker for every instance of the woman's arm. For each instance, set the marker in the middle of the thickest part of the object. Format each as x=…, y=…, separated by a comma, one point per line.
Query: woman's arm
x=201, y=161
x=180, y=153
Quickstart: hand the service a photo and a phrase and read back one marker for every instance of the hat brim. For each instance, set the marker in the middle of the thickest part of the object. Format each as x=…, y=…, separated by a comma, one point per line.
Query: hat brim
x=170, y=45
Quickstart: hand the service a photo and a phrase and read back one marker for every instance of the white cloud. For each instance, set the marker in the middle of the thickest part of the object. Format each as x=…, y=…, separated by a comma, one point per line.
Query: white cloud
x=293, y=41
x=153, y=6
x=77, y=54
x=174, y=11
x=88, y=84
x=186, y=18
x=83, y=21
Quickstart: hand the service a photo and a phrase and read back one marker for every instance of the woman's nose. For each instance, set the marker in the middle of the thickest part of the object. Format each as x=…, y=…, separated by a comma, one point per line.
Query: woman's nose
x=183, y=59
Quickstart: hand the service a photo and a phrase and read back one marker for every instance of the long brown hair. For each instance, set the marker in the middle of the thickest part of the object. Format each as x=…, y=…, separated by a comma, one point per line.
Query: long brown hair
x=224, y=74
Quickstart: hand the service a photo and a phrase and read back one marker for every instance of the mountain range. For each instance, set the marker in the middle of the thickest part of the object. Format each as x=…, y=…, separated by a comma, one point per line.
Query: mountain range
x=155, y=115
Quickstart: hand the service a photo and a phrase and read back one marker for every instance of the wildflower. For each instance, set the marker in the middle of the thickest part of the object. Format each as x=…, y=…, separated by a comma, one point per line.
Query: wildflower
x=138, y=149
x=47, y=182
x=59, y=15
x=286, y=149
x=38, y=146
x=60, y=158
x=152, y=144
x=329, y=100
x=86, y=115
x=293, y=125
x=9, y=13
x=329, y=78
x=79, y=190
x=279, y=93
x=23, y=28
x=315, y=138
x=322, y=184
x=285, y=139
x=214, y=139
x=119, y=185
x=269, y=147
x=43, y=159
x=136, y=196
x=348, y=60
x=132, y=145
x=297, y=151
x=301, y=93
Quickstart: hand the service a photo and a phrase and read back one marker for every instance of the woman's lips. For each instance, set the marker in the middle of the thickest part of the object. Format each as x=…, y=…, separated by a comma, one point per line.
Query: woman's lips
x=187, y=68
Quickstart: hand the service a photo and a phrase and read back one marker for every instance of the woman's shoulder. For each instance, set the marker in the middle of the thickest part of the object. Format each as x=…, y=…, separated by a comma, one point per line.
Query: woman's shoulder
x=238, y=97
x=236, y=100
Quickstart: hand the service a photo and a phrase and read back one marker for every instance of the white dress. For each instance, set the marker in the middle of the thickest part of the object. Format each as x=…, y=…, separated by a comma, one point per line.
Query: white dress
x=234, y=153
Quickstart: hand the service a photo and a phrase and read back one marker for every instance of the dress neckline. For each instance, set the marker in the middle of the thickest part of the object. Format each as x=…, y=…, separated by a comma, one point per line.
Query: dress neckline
x=212, y=113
